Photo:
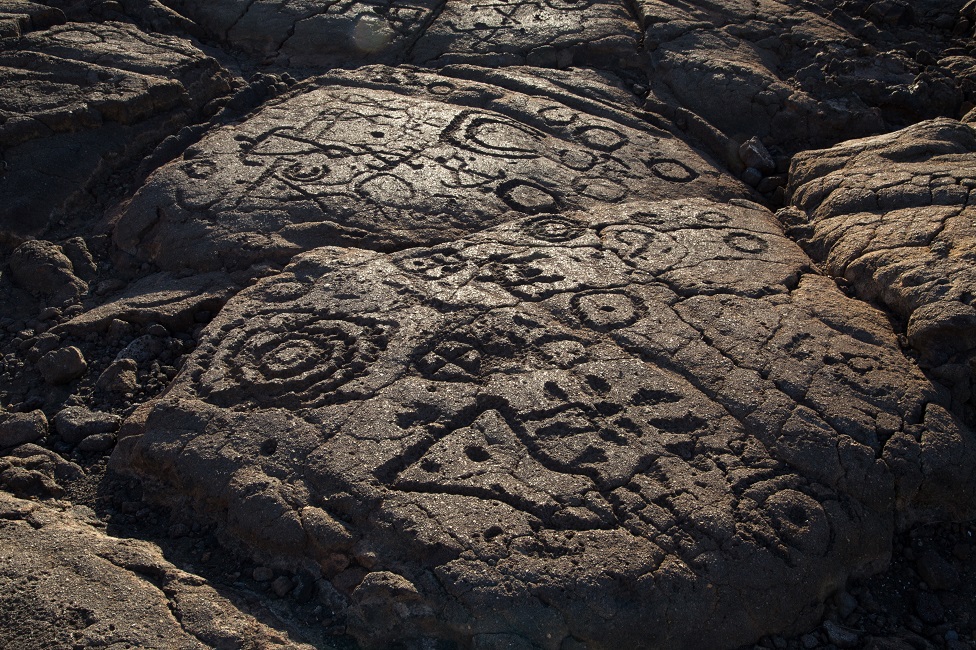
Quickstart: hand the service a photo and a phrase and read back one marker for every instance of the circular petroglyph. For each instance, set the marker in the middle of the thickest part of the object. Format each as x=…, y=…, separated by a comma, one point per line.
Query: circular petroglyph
x=492, y=135
x=557, y=115
x=601, y=138
x=745, y=242
x=713, y=217
x=440, y=88
x=291, y=360
x=304, y=172
x=553, y=228
x=432, y=265
x=526, y=197
x=673, y=171
x=605, y=311
x=199, y=169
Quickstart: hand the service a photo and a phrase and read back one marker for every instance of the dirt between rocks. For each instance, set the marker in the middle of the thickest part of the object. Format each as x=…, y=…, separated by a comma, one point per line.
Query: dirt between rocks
x=545, y=324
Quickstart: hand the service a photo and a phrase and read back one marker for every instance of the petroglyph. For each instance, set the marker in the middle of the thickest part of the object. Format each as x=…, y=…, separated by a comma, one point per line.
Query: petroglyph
x=509, y=410
x=405, y=162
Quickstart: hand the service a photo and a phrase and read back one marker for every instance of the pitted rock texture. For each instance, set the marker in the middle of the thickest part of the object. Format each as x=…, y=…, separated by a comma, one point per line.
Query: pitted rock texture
x=79, y=102
x=806, y=74
x=306, y=33
x=893, y=216
x=388, y=158
x=65, y=583
x=561, y=428
x=547, y=33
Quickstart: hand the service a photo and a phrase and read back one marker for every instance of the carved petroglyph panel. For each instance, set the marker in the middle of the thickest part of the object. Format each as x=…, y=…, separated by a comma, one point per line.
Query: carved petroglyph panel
x=395, y=166
x=667, y=384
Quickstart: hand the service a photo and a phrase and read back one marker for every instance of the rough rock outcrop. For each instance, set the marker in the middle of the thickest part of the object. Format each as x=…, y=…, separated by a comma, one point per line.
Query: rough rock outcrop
x=65, y=584
x=893, y=216
x=81, y=101
x=560, y=428
x=388, y=158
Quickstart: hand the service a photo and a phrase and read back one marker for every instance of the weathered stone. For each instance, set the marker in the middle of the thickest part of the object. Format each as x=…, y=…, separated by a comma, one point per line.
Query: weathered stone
x=809, y=74
x=423, y=158
x=76, y=423
x=82, y=100
x=62, y=365
x=891, y=215
x=97, y=442
x=19, y=428
x=305, y=33
x=41, y=267
x=119, y=378
x=550, y=33
x=132, y=595
x=576, y=422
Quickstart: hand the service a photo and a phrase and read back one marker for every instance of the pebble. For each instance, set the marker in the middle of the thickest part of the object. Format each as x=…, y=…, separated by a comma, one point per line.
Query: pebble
x=97, y=442
x=62, y=366
x=846, y=604
x=840, y=636
x=751, y=177
x=753, y=153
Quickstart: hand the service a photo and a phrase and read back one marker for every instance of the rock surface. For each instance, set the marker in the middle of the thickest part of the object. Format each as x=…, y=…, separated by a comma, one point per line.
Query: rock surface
x=892, y=215
x=421, y=158
x=433, y=325
x=97, y=95
x=52, y=555
x=661, y=388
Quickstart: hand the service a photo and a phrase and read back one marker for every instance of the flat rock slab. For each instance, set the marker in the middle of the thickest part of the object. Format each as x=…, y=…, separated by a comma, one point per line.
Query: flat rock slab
x=308, y=33
x=893, y=215
x=549, y=33
x=559, y=429
x=804, y=74
x=65, y=583
x=388, y=158
x=79, y=101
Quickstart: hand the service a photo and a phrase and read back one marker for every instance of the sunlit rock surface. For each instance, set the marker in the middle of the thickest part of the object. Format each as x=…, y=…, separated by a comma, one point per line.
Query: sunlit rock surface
x=655, y=407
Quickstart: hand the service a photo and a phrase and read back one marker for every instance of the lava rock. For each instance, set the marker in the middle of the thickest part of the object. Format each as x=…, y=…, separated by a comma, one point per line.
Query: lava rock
x=19, y=428
x=62, y=366
x=76, y=423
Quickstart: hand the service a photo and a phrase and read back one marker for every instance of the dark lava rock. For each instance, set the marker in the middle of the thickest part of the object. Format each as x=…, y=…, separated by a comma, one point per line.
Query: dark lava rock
x=54, y=553
x=530, y=426
x=81, y=100
x=423, y=158
x=76, y=423
x=62, y=366
x=19, y=428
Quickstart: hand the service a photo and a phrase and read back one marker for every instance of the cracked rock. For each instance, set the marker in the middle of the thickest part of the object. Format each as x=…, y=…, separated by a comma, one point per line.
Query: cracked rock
x=133, y=596
x=664, y=388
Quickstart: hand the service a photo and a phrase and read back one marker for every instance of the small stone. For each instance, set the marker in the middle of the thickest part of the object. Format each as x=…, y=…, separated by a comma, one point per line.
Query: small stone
x=76, y=423
x=810, y=641
x=97, y=442
x=281, y=586
x=937, y=571
x=751, y=177
x=19, y=428
x=158, y=330
x=262, y=574
x=304, y=587
x=753, y=153
x=178, y=530
x=62, y=366
x=840, y=636
x=119, y=378
x=928, y=608
x=846, y=604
